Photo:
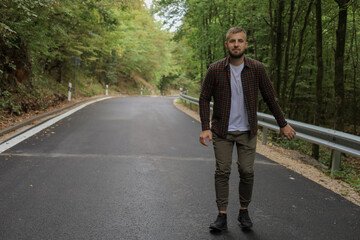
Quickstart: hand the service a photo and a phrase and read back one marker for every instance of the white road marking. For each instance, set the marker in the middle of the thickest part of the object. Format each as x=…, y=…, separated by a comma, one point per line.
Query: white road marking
x=12, y=142
x=119, y=157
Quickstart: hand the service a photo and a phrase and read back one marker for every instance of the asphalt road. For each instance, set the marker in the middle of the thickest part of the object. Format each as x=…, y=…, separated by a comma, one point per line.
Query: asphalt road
x=132, y=168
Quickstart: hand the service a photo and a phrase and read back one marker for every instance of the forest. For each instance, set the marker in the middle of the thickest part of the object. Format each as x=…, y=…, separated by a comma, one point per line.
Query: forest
x=310, y=49
x=45, y=44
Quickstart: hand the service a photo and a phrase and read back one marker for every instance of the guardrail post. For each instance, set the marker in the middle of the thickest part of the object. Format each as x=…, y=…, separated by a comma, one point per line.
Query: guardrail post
x=264, y=136
x=335, y=161
x=191, y=106
x=107, y=90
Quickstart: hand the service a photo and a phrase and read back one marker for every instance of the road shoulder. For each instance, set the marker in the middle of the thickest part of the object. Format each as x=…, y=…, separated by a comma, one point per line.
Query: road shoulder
x=23, y=123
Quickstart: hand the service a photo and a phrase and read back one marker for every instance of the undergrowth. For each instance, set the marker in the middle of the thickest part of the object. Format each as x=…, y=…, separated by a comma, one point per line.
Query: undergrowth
x=43, y=93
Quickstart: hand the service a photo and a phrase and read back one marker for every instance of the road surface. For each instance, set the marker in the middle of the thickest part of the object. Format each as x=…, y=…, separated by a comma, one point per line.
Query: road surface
x=132, y=168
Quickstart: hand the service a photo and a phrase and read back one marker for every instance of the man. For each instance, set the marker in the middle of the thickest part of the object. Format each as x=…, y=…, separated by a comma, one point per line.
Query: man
x=233, y=82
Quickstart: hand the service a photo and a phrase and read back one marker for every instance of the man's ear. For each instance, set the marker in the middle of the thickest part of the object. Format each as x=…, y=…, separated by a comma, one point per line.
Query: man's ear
x=226, y=44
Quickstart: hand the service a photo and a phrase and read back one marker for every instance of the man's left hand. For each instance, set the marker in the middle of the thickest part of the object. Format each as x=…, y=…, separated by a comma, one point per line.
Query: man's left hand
x=287, y=132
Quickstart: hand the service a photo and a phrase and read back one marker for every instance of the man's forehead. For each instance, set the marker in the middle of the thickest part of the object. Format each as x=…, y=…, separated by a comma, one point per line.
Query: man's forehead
x=239, y=35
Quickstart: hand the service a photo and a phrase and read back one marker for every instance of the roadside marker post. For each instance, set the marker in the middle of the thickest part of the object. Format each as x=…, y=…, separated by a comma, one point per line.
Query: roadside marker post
x=76, y=60
x=69, y=93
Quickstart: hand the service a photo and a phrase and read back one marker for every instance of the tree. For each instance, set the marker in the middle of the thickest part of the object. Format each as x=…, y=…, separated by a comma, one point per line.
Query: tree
x=115, y=40
x=279, y=44
x=319, y=76
x=281, y=34
x=339, y=64
x=354, y=50
x=299, y=56
x=287, y=53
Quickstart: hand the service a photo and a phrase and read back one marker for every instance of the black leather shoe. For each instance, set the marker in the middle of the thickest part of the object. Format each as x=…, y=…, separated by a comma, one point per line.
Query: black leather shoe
x=220, y=223
x=244, y=219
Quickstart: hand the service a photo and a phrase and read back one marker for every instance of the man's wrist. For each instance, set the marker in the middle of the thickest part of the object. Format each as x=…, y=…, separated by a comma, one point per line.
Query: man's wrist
x=205, y=126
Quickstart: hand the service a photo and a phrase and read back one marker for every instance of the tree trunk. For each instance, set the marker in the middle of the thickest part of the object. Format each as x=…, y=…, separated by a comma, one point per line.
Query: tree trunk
x=319, y=75
x=201, y=64
x=252, y=9
x=339, y=65
x=298, y=60
x=279, y=43
x=272, y=43
x=355, y=63
x=202, y=53
x=287, y=49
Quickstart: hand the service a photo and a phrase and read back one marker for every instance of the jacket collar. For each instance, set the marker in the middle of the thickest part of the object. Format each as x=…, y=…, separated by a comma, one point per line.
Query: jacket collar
x=246, y=62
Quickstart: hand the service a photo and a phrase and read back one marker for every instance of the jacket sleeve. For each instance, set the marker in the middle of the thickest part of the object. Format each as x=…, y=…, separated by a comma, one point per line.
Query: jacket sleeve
x=205, y=98
x=268, y=94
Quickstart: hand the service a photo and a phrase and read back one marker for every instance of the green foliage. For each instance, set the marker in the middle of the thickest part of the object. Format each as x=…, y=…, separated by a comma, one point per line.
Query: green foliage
x=112, y=40
x=9, y=104
x=202, y=35
x=295, y=144
x=348, y=174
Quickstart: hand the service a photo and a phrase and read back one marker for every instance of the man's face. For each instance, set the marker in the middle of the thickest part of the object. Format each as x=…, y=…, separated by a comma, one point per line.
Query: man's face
x=236, y=44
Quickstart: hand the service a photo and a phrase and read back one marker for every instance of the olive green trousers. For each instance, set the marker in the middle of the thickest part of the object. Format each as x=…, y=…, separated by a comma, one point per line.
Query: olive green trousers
x=223, y=148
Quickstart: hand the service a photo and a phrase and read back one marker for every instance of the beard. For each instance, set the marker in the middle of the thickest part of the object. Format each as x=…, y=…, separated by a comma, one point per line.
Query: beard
x=236, y=56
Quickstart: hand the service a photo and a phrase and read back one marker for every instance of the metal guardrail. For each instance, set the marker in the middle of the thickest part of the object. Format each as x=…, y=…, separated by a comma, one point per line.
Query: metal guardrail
x=338, y=142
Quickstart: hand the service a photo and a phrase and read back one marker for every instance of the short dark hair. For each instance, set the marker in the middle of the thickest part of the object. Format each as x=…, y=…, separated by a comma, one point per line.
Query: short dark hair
x=234, y=30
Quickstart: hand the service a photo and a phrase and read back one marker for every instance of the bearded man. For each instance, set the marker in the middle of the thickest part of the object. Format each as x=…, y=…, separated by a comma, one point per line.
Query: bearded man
x=233, y=83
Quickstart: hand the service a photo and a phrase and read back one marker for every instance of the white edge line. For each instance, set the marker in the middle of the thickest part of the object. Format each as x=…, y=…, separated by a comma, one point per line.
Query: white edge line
x=14, y=141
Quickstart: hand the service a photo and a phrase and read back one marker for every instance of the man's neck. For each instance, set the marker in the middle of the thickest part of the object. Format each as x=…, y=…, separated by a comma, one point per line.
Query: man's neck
x=237, y=61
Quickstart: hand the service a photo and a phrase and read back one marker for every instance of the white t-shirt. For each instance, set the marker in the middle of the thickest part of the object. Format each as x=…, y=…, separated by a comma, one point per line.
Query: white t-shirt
x=238, y=115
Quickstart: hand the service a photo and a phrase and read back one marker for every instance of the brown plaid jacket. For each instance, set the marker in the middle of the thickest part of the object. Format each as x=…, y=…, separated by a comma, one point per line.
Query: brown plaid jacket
x=217, y=85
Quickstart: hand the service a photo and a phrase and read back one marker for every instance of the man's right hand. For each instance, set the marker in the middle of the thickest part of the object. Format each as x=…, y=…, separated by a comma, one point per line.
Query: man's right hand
x=205, y=135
